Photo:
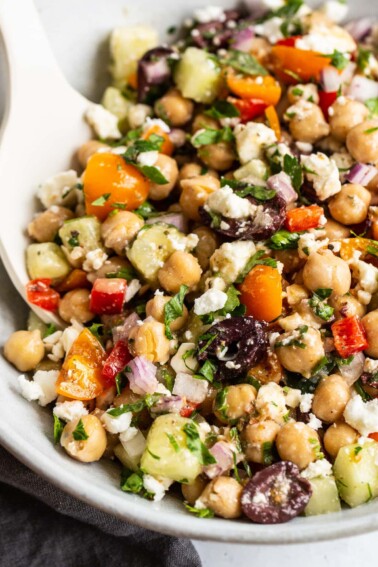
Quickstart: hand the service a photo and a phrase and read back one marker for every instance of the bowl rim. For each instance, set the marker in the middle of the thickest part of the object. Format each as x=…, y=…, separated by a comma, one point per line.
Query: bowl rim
x=336, y=526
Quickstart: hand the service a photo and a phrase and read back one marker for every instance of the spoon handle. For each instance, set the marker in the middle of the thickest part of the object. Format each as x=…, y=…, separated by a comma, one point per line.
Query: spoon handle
x=31, y=63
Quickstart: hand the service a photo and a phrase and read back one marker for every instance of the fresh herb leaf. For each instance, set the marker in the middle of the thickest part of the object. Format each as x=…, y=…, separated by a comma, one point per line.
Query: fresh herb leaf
x=296, y=340
x=223, y=109
x=97, y=329
x=199, y=512
x=128, y=273
x=146, y=210
x=293, y=169
x=338, y=60
x=372, y=250
x=210, y=136
x=79, y=433
x=243, y=62
x=363, y=58
x=220, y=403
x=50, y=330
x=156, y=457
x=284, y=240
x=119, y=383
x=242, y=189
x=324, y=292
x=74, y=239
x=195, y=445
x=357, y=450
x=173, y=309
x=371, y=130
x=256, y=260
x=267, y=452
x=153, y=174
x=173, y=442
x=319, y=306
x=133, y=482
x=207, y=371
x=358, y=386
x=296, y=91
x=372, y=106
x=136, y=407
x=209, y=337
x=101, y=200
x=58, y=428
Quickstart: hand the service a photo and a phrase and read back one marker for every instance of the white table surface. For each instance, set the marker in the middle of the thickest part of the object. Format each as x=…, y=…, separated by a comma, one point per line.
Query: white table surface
x=65, y=38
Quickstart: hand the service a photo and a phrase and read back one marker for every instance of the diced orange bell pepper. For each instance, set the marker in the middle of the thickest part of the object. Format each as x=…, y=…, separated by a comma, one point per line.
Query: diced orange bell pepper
x=274, y=121
x=132, y=80
x=75, y=279
x=302, y=65
x=349, y=336
x=303, y=218
x=374, y=229
x=265, y=88
x=167, y=146
x=80, y=377
x=358, y=244
x=108, y=181
x=261, y=293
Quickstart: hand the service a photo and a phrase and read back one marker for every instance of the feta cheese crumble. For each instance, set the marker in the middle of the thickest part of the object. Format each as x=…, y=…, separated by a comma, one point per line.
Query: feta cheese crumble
x=117, y=424
x=361, y=415
x=42, y=388
x=94, y=260
x=306, y=402
x=225, y=202
x=230, y=259
x=189, y=365
x=156, y=486
x=251, y=140
x=103, y=122
x=211, y=300
x=68, y=411
x=209, y=14
x=56, y=187
x=323, y=173
x=319, y=468
x=193, y=389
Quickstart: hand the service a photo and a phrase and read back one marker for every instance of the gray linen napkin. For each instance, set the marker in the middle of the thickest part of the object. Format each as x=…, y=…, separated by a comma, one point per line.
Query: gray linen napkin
x=42, y=526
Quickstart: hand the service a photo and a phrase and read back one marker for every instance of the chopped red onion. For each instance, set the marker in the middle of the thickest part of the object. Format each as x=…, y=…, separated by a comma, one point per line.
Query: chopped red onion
x=351, y=372
x=362, y=174
x=121, y=332
x=177, y=137
x=362, y=88
x=330, y=79
x=243, y=39
x=142, y=376
x=177, y=219
x=168, y=404
x=348, y=73
x=281, y=183
x=153, y=69
x=223, y=454
x=359, y=29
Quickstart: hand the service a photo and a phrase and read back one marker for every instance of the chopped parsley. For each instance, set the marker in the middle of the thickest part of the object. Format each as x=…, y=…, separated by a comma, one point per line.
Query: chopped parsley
x=146, y=210
x=284, y=240
x=319, y=305
x=257, y=259
x=58, y=428
x=267, y=452
x=79, y=433
x=243, y=62
x=223, y=109
x=199, y=512
x=207, y=371
x=156, y=457
x=363, y=58
x=174, y=309
x=195, y=445
x=133, y=482
x=50, y=330
x=372, y=106
x=97, y=330
x=153, y=143
x=242, y=189
x=370, y=130
x=220, y=403
x=74, y=238
x=100, y=202
x=338, y=60
x=294, y=341
x=209, y=136
x=296, y=91
x=173, y=441
x=293, y=169
x=128, y=273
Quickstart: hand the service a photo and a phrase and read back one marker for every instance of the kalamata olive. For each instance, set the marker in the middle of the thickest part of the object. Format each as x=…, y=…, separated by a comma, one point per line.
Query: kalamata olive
x=234, y=345
x=369, y=380
x=215, y=34
x=362, y=227
x=276, y=494
x=154, y=72
x=268, y=219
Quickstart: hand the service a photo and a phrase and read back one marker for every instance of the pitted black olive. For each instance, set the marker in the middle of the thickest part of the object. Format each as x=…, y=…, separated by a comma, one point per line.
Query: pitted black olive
x=268, y=219
x=235, y=345
x=154, y=72
x=276, y=494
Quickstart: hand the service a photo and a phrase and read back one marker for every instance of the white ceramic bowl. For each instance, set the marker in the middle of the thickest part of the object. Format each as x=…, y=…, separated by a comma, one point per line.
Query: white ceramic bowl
x=25, y=428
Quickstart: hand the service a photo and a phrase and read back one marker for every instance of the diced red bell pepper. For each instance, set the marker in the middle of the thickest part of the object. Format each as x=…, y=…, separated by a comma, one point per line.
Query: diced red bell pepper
x=39, y=292
x=373, y=436
x=326, y=100
x=116, y=362
x=349, y=336
x=248, y=108
x=108, y=296
x=289, y=41
x=188, y=409
x=303, y=218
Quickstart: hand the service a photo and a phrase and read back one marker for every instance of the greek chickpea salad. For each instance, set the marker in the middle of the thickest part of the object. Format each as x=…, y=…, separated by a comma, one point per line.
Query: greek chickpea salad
x=215, y=260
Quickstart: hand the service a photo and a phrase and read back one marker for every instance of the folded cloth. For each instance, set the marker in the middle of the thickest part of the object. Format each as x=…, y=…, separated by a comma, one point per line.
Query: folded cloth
x=42, y=526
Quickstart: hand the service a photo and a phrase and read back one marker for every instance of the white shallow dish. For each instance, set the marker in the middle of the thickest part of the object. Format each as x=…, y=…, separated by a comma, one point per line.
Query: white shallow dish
x=25, y=428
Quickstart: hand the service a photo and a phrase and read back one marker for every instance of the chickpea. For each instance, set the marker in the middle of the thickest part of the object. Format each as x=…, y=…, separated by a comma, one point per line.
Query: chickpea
x=238, y=402
x=105, y=399
x=168, y=168
x=330, y=398
x=268, y=369
x=75, y=305
x=335, y=230
x=155, y=309
x=327, y=271
x=362, y=141
x=347, y=306
x=290, y=260
x=25, y=349
x=192, y=169
x=119, y=229
x=338, y=435
x=351, y=204
x=298, y=443
x=46, y=225
x=370, y=323
x=181, y=268
x=297, y=359
x=195, y=192
x=174, y=109
x=255, y=435
x=345, y=114
x=207, y=244
x=191, y=492
x=110, y=266
x=261, y=49
x=219, y=156
x=88, y=450
x=223, y=496
x=87, y=150
x=149, y=340
x=202, y=121
x=309, y=125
